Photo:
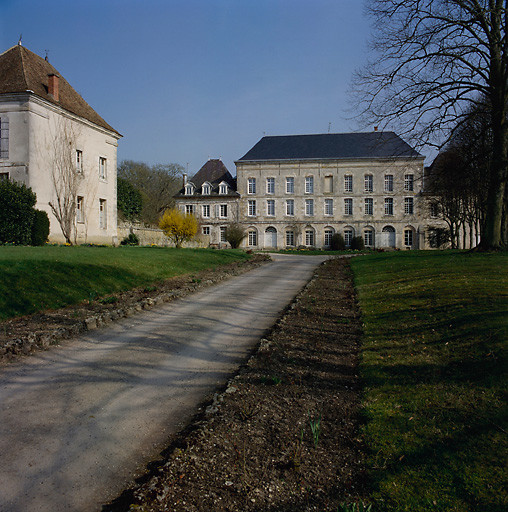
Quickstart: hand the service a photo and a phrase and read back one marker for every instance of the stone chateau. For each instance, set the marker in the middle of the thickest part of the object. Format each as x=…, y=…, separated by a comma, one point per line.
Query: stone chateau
x=298, y=190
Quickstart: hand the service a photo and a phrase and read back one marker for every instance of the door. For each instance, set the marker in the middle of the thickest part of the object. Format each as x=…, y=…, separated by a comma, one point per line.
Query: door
x=271, y=238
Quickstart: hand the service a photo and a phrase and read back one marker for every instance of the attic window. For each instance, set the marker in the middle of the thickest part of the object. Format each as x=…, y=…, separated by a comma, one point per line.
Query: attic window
x=223, y=188
x=4, y=137
x=189, y=189
x=205, y=189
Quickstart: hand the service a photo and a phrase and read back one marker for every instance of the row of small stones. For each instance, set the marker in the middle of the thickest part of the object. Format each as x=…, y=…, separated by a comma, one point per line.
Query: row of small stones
x=33, y=341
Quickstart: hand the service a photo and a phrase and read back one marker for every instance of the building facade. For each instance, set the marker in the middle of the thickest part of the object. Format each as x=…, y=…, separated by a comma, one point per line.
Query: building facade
x=56, y=144
x=299, y=190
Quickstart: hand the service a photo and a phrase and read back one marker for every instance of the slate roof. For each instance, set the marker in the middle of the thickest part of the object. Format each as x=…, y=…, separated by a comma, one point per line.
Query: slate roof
x=330, y=146
x=22, y=70
x=215, y=172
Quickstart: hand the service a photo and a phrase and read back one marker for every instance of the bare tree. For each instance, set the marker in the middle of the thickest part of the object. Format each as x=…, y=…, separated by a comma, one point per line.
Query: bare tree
x=66, y=177
x=433, y=59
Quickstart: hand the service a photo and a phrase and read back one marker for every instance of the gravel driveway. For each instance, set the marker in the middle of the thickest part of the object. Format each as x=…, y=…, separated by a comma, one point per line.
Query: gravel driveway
x=79, y=422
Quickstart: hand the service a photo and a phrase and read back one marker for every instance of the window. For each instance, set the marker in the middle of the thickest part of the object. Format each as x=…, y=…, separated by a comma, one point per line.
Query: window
x=79, y=161
x=348, y=183
x=205, y=189
x=223, y=230
x=388, y=182
x=102, y=168
x=290, y=207
x=206, y=230
x=309, y=184
x=4, y=137
x=103, y=224
x=409, y=182
x=408, y=206
x=290, y=185
x=251, y=186
x=251, y=208
x=223, y=189
x=4, y=176
x=80, y=210
x=388, y=205
x=328, y=206
x=270, y=207
x=189, y=209
x=408, y=237
x=270, y=185
x=309, y=206
x=309, y=237
x=348, y=236
x=369, y=183
x=348, y=206
x=189, y=189
x=328, y=237
x=368, y=237
x=253, y=237
x=205, y=210
x=290, y=238
x=369, y=206
x=434, y=209
x=223, y=211
x=328, y=188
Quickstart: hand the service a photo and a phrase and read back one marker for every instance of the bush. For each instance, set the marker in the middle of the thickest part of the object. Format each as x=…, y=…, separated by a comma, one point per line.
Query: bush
x=338, y=243
x=234, y=235
x=16, y=213
x=40, y=228
x=438, y=237
x=132, y=239
x=357, y=243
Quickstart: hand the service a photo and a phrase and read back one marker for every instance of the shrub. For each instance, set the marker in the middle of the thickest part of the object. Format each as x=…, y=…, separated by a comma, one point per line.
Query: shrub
x=178, y=227
x=16, y=213
x=40, y=228
x=438, y=237
x=234, y=235
x=132, y=239
x=337, y=242
x=357, y=243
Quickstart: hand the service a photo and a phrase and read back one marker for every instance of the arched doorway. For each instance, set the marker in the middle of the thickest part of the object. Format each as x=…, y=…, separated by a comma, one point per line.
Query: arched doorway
x=271, y=237
x=388, y=237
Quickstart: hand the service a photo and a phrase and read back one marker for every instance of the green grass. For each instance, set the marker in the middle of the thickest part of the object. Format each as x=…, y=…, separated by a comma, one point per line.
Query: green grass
x=37, y=278
x=434, y=366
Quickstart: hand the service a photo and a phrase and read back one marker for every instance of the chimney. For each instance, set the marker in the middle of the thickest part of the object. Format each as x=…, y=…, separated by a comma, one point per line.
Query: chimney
x=184, y=179
x=53, y=86
x=375, y=128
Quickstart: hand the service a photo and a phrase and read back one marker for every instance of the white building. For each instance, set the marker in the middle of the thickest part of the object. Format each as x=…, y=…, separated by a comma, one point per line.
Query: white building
x=299, y=190
x=47, y=130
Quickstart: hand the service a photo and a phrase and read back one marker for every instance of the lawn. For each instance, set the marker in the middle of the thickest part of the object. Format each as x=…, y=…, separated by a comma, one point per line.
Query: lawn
x=36, y=278
x=434, y=367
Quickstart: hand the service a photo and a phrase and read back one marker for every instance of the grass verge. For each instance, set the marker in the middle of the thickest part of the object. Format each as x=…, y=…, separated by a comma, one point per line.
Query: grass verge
x=37, y=278
x=434, y=367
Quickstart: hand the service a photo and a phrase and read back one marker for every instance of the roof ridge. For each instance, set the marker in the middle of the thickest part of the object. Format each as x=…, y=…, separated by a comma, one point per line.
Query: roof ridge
x=23, y=66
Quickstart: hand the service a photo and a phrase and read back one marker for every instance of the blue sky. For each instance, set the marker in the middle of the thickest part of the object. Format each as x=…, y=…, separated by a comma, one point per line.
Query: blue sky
x=185, y=80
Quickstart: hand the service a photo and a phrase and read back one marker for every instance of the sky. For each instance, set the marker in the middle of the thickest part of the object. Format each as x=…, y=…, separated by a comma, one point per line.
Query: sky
x=188, y=80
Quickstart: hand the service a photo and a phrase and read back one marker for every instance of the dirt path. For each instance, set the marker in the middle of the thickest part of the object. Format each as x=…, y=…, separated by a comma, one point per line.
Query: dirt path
x=284, y=435
x=78, y=422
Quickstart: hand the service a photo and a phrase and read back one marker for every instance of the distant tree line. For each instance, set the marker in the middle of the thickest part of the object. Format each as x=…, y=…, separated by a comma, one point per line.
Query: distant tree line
x=145, y=191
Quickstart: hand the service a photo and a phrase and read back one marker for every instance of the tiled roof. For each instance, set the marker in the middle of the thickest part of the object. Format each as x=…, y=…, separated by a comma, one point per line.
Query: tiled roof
x=22, y=70
x=333, y=146
x=213, y=172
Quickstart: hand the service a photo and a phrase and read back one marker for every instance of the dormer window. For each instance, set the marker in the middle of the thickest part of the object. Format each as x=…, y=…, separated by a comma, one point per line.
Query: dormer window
x=189, y=189
x=205, y=189
x=223, y=189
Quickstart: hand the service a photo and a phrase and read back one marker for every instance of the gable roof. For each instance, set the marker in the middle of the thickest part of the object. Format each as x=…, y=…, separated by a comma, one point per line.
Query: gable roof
x=23, y=71
x=213, y=172
x=331, y=146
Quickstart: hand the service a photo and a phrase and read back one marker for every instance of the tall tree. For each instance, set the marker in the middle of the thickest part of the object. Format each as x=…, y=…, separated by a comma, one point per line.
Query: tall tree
x=433, y=59
x=157, y=185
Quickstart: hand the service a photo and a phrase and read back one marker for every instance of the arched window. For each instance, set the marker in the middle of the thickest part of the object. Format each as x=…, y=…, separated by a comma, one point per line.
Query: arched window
x=349, y=233
x=409, y=238
x=252, y=237
x=309, y=237
x=205, y=189
x=368, y=237
x=328, y=236
x=189, y=189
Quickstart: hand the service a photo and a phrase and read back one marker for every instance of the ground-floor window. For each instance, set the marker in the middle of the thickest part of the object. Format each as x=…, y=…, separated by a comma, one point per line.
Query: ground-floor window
x=408, y=237
x=206, y=230
x=103, y=224
x=309, y=237
x=290, y=238
x=253, y=237
x=368, y=237
x=223, y=233
x=328, y=237
x=80, y=216
x=348, y=236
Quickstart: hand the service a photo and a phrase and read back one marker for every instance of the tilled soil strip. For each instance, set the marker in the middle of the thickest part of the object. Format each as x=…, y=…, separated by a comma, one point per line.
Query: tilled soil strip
x=284, y=434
